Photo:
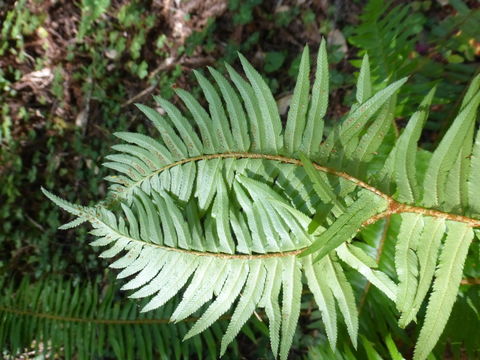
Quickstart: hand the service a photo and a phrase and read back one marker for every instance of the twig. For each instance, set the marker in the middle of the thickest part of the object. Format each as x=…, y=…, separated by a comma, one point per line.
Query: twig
x=168, y=64
x=36, y=224
x=141, y=94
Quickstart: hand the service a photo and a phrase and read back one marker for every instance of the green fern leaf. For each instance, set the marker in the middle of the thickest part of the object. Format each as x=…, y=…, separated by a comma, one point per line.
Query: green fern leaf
x=270, y=119
x=471, y=91
x=221, y=127
x=258, y=136
x=246, y=306
x=238, y=118
x=270, y=301
x=456, y=186
x=346, y=226
x=170, y=138
x=313, y=134
x=298, y=107
x=321, y=185
x=229, y=292
x=73, y=209
x=474, y=179
x=371, y=141
x=388, y=35
x=364, y=83
x=447, y=153
x=445, y=287
x=292, y=291
x=405, y=153
x=377, y=278
x=406, y=260
x=323, y=297
x=357, y=119
x=85, y=320
x=343, y=293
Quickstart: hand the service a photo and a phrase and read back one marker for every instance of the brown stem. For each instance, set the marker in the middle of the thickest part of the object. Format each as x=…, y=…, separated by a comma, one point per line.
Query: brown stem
x=470, y=281
x=395, y=207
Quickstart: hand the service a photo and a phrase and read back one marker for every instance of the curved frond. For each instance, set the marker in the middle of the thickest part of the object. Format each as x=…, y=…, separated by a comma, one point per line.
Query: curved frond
x=227, y=207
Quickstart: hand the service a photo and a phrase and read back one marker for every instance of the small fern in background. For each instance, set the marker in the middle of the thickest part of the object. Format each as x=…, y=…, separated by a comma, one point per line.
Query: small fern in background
x=78, y=321
x=231, y=208
x=388, y=35
x=403, y=42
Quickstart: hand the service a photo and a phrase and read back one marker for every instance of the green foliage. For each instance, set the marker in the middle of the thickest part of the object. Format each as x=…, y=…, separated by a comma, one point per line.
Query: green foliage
x=388, y=37
x=91, y=11
x=231, y=204
x=461, y=329
x=19, y=22
x=274, y=61
x=78, y=320
x=445, y=287
x=402, y=41
x=243, y=10
x=458, y=48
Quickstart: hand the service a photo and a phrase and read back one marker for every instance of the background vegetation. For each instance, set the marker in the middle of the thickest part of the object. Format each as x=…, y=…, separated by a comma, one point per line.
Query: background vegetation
x=71, y=71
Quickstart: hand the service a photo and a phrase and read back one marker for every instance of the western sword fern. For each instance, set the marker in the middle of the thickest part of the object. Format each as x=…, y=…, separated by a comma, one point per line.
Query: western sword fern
x=229, y=206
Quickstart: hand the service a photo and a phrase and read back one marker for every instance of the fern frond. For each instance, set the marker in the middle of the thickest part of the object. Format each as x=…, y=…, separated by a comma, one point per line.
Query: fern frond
x=298, y=108
x=246, y=306
x=270, y=119
x=291, y=294
x=388, y=35
x=347, y=225
x=355, y=122
x=343, y=293
x=228, y=208
x=364, y=84
x=323, y=297
x=348, y=255
x=83, y=320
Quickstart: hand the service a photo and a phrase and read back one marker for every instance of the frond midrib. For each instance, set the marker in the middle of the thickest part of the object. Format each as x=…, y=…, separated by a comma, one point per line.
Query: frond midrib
x=200, y=253
x=248, y=155
x=394, y=207
x=55, y=317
